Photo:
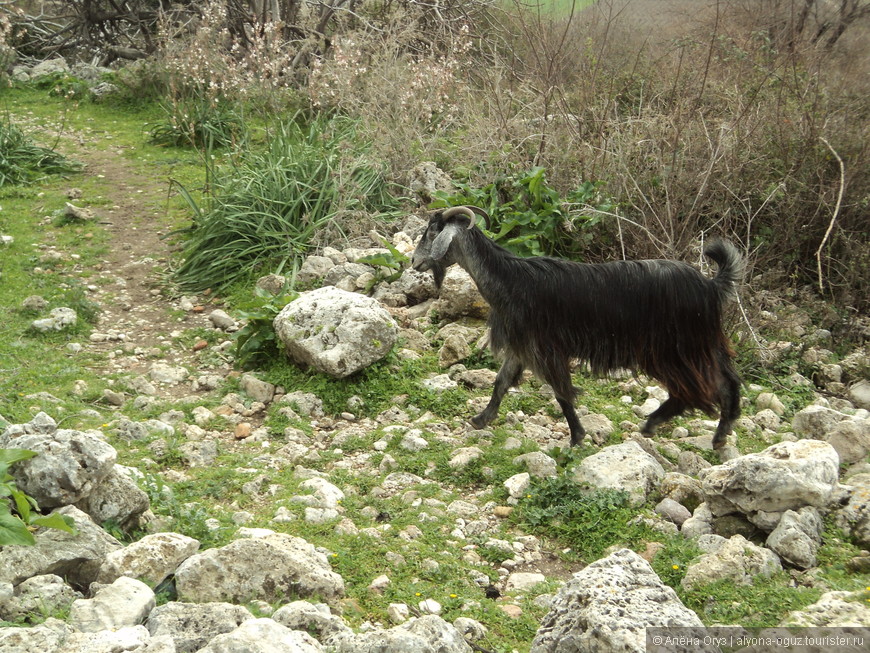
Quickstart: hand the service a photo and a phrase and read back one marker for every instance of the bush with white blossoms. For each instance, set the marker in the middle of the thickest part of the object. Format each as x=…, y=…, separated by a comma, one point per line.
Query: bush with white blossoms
x=424, y=88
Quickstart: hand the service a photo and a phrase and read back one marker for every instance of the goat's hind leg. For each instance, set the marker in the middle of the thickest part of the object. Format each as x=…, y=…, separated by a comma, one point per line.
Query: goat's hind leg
x=508, y=376
x=729, y=402
x=668, y=410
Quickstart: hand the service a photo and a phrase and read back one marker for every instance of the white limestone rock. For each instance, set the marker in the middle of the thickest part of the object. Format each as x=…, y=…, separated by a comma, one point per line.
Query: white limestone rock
x=621, y=467
x=334, y=331
x=267, y=566
x=126, y=602
x=785, y=476
x=735, y=558
x=607, y=607
x=262, y=636
x=151, y=559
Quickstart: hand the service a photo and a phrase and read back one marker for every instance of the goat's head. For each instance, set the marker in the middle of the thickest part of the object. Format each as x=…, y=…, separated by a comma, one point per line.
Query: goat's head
x=434, y=251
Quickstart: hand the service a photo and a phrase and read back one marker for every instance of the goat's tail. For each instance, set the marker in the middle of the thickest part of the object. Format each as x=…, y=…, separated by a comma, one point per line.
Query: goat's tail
x=730, y=264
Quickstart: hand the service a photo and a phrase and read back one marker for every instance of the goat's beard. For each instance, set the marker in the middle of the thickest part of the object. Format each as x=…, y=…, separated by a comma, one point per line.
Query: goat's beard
x=438, y=272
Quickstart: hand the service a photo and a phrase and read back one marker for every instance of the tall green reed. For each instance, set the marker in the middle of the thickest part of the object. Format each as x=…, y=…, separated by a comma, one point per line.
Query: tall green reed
x=22, y=161
x=264, y=207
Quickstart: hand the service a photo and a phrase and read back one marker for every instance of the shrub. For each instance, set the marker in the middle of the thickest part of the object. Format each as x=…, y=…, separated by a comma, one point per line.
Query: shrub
x=256, y=341
x=589, y=521
x=264, y=208
x=22, y=161
x=530, y=218
x=199, y=123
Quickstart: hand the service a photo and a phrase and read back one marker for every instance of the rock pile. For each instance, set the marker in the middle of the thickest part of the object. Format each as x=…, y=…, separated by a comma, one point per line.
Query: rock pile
x=752, y=516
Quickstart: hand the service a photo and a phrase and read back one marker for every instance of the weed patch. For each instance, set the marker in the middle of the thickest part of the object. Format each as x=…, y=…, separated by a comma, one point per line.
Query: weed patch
x=588, y=521
x=530, y=218
x=22, y=161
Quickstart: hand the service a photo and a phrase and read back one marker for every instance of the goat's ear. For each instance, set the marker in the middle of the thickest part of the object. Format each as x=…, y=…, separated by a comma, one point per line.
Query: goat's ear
x=442, y=241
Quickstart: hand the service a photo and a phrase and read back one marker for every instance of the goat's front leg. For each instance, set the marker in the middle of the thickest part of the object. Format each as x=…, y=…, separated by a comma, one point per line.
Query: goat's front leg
x=508, y=376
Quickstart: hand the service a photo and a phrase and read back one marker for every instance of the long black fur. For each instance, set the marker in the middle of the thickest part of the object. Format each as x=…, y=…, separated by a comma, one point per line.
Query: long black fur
x=658, y=316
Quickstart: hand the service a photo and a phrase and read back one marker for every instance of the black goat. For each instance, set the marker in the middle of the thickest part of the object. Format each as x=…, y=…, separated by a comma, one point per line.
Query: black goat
x=661, y=317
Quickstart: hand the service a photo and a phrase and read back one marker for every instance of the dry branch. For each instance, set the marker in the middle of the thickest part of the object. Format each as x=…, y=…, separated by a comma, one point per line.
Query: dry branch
x=836, y=212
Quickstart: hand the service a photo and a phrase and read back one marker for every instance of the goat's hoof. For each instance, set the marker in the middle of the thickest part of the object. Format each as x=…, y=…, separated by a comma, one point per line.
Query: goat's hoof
x=478, y=422
x=648, y=434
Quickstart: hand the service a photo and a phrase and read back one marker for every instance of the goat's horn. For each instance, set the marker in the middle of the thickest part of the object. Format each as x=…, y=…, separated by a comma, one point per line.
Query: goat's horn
x=470, y=211
x=483, y=214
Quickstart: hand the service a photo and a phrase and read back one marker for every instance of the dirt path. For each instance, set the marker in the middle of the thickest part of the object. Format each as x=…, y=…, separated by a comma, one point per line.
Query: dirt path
x=137, y=318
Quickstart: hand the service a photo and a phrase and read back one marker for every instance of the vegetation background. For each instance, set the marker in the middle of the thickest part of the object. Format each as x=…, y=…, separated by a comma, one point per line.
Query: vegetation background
x=620, y=128
x=685, y=118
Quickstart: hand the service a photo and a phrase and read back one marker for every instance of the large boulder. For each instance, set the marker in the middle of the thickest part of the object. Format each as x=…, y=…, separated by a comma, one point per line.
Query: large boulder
x=426, y=179
x=124, y=603
x=334, y=331
x=262, y=636
x=193, y=625
x=69, y=466
x=314, y=618
x=736, y=558
x=833, y=609
x=75, y=557
x=151, y=559
x=608, y=606
x=850, y=439
x=36, y=597
x=459, y=297
x=848, y=434
x=411, y=288
x=426, y=634
x=813, y=422
x=854, y=516
x=785, y=476
x=117, y=498
x=621, y=467
x=859, y=394
x=47, y=637
x=268, y=566
x=797, y=537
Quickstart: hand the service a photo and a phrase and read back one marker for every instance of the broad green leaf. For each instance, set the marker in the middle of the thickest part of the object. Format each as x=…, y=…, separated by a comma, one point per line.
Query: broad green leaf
x=9, y=456
x=22, y=504
x=14, y=531
x=56, y=521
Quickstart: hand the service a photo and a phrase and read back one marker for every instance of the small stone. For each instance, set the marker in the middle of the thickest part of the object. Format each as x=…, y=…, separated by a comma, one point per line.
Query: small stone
x=860, y=564
x=675, y=512
x=34, y=303
x=502, y=512
x=511, y=610
x=242, y=430
x=398, y=613
x=283, y=515
x=429, y=606
x=113, y=398
x=200, y=345
x=379, y=584
x=523, y=581
x=517, y=484
x=221, y=319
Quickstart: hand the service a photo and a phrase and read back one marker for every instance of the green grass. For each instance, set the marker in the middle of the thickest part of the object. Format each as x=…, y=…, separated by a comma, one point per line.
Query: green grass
x=553, y=8
x=586, y=523
x=22, y=161
x=28, y=214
